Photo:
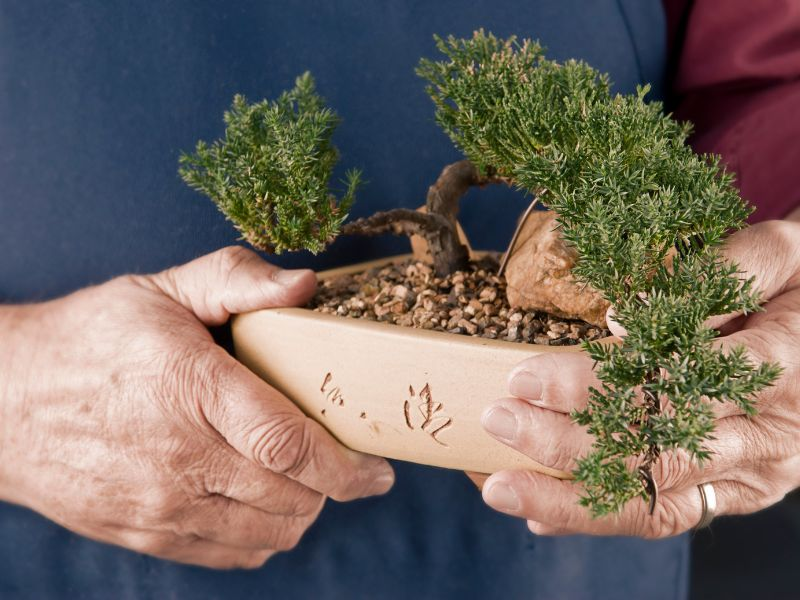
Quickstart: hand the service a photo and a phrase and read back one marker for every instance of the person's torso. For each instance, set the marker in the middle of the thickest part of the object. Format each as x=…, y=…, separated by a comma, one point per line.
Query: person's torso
x=97, y=100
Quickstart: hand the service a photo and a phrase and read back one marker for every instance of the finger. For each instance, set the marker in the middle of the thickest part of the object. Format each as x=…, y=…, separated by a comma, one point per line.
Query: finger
x=239, y=479
x=550, y=438
x=262, y=425
x=770, y=337
x=218, y=556
x=554, y=503
x=558, y=382
x=231, y=523
x=767, y=252
x=191, y=550
x=555, y=441
x=231, y=281
x=544, y=529
x=204, y=553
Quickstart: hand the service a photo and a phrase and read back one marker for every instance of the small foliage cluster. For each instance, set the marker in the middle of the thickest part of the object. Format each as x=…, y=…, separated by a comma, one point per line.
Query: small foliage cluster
x=270, y=174
x=646, y=216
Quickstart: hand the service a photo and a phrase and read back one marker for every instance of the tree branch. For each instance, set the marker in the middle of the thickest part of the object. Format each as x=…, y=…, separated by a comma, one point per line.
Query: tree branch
x=439, y=224
x=400, y=221
x=444, y=196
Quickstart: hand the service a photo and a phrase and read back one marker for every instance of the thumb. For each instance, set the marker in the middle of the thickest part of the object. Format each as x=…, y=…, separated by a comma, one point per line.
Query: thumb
x=233, y=280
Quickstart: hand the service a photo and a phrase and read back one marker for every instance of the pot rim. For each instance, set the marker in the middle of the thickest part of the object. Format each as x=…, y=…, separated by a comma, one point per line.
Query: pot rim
x=400, y=330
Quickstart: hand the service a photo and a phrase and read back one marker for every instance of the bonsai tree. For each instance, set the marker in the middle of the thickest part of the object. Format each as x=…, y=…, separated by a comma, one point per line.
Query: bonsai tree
x=645, y=215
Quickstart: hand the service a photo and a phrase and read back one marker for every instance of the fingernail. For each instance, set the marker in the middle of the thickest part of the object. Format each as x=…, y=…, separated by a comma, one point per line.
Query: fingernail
x=290, y=277
x=501, y=423
x=502, y=497
x=526, y=385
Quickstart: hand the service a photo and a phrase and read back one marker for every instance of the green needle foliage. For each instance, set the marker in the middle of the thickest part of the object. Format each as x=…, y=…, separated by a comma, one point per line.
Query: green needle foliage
x=270, y=174
x=646, y=216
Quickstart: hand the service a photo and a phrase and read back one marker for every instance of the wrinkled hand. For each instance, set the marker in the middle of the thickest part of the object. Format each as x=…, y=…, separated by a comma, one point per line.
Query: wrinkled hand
x=755, y=461
x=123, y=421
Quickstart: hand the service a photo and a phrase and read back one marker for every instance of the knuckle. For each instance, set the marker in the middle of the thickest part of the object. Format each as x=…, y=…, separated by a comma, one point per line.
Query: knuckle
x=310, y=505
x=673, y=469
x=224, y=264
x=542, y=529
x=558, y=456
x=565, y=516
x=772, y=495
x=667, y=520
x=779, y=344
x=303, y=503
x=748, y=495
x=124, y=292
x=218, y=474
x=153, y=544
x=233, y=256
x=782, y=234
x=755, y=445
x=767, y=241
x=536, y=438
x=234, y=559
x=124, y=283
x=255, y=560
x=282, y=445
x=159, y=505
x=230, y=258
x=786, y=471
x=289, y=537
x=535, y=527
x=761, y=344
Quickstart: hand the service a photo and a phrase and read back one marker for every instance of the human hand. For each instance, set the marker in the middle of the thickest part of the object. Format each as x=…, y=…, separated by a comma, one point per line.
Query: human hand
x=123, y=421
x=755, y=460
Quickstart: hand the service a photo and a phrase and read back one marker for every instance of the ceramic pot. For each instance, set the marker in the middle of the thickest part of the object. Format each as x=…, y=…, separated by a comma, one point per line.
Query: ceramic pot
x=384, y=389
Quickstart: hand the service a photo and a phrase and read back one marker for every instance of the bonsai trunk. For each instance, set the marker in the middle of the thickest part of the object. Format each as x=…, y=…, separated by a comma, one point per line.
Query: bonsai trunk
x=438, y=225
x=652, y=408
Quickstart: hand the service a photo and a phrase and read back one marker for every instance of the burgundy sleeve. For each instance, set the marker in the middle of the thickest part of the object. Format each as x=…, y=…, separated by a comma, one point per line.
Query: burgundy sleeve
x=736, y=75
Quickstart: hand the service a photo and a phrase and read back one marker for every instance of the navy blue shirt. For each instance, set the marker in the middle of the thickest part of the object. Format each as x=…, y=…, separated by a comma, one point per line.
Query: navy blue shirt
x=97, y=99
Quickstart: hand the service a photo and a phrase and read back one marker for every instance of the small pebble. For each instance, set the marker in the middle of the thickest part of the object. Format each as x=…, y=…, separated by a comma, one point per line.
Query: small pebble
x=468, y=303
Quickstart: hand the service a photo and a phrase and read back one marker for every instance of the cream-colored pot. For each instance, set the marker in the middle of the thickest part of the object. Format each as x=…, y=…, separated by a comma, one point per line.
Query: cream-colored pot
x=388, y=390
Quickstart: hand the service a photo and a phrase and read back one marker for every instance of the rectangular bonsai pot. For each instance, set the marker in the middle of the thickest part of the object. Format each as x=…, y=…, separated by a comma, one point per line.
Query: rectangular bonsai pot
x=384, y=389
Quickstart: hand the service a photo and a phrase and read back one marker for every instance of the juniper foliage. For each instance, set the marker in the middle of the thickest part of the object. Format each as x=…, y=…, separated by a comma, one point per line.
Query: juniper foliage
x=270, y=174
x=647, y=217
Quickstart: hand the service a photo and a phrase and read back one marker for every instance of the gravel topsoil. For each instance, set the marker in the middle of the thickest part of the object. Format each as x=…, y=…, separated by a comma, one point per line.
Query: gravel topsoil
x=471, y=302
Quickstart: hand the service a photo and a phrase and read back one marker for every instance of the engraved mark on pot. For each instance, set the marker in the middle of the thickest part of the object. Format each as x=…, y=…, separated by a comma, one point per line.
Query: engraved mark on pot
x=433, y=423
x=325, y=381
x=334, y=394
x=407, y=410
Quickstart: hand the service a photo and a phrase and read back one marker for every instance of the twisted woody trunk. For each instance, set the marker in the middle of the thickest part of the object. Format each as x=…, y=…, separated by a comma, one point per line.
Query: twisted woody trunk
x=438, y=224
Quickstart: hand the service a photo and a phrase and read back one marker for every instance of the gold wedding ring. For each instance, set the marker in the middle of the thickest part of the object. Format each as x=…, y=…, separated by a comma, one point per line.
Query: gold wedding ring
x=708, y=502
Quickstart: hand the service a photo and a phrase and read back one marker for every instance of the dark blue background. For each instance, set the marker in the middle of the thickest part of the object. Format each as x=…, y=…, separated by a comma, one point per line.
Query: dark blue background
x=97, y=99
